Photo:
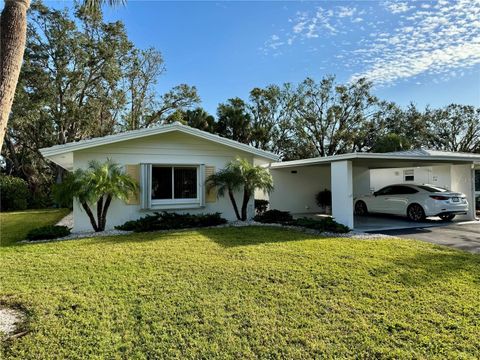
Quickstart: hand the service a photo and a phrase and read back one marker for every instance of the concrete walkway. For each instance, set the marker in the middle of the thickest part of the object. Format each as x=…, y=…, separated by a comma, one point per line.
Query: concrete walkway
x=463, y=236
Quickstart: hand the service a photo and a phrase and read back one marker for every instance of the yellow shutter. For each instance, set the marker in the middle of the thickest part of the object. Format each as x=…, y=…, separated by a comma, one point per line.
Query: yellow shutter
x=134, y=172
x=211, y=195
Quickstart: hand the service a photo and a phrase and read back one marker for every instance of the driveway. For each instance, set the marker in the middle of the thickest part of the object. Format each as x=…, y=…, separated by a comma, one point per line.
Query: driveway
x=464, y=236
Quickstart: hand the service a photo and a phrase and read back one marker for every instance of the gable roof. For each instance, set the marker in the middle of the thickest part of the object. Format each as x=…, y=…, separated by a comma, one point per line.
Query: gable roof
x=66, y=149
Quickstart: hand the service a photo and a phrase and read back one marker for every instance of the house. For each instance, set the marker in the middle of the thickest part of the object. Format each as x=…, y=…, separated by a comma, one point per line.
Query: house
x=170, y=162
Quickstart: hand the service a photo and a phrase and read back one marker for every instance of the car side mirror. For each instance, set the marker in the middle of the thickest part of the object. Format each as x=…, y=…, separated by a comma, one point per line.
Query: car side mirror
x=375, y=193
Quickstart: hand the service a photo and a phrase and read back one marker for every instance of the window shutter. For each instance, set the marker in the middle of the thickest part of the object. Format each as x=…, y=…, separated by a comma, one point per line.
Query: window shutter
x=210, y=195
x=145, y=186
x=134, y=172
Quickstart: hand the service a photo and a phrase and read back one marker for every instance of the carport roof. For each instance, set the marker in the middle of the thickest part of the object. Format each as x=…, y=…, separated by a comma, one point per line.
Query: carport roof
x=418, y=157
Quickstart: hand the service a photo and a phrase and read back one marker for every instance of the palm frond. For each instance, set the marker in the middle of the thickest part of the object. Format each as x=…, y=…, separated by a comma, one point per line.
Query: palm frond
x=97, y=4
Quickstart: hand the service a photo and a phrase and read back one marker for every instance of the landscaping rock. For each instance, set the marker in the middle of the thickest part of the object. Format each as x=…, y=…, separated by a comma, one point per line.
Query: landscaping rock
x=9, y=321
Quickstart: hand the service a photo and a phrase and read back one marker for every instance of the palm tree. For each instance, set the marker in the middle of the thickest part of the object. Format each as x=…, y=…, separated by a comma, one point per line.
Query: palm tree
x=98, y=184
x=13, y=33
x=240, y=174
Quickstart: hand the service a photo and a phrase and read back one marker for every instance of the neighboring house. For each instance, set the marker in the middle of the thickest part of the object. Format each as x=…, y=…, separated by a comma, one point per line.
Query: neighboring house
x=170, y=162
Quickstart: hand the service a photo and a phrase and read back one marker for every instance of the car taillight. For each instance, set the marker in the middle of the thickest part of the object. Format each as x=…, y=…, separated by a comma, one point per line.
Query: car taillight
x=438, y=197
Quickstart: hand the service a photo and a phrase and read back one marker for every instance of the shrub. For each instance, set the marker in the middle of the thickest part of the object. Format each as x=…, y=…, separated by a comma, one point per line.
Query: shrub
x=13, y=193
x=324, y=198
x=285, y=218
x=261, y=205
x=48, y=232
x=324, y=224
x=168, y=221
x=274, y=216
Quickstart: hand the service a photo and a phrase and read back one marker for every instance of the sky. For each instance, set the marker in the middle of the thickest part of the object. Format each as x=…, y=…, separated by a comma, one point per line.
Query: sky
x=425, y=52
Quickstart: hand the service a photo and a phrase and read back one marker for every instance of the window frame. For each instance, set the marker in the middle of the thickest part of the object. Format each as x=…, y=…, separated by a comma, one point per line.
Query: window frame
x=409, y=175
x=173, y=201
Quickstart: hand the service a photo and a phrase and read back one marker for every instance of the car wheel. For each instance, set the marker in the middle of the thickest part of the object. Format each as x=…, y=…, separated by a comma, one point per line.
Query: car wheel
x=361, y=208
x=415, y=212
x=447, y=217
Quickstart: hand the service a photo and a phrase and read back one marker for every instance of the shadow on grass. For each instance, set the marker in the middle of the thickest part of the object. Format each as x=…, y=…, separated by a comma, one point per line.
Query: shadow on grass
x=224, y=236
x=252, y=235
x=427, y=266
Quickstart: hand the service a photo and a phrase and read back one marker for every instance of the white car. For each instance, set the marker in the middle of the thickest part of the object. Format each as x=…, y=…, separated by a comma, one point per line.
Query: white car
x=414, y=201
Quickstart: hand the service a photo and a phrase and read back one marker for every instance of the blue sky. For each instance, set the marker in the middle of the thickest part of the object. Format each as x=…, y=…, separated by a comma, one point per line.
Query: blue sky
x=427, y=52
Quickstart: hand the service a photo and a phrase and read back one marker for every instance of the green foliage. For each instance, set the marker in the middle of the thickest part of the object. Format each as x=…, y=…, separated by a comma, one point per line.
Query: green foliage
x=326, y=224
x=16, y=225
x=168, y=221
x=285, y=218
x=218, y=293
x=48, y=232
x=261, y=205
x=390, y=143
x=99, y=184
x=324, y=198
x=234, y=121
x=13, y=193
x=240, y=174
x=197, y=118
x=81, y=78
x=274, y=217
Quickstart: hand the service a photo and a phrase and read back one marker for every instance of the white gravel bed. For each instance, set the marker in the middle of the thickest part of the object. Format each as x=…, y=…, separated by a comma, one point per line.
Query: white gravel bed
x=66, y=221
x=351, y=234
x=9, y=320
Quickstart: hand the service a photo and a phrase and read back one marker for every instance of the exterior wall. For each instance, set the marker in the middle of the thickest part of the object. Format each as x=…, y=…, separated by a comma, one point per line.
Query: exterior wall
x=361, y=181
x=434, y=175
x=342, y=192
x=171, y=148
x=462, y=181
x=453, y=177
x=295, y=192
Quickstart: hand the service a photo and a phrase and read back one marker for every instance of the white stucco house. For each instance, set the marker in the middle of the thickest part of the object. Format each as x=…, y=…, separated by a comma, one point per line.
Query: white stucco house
x=171, y=163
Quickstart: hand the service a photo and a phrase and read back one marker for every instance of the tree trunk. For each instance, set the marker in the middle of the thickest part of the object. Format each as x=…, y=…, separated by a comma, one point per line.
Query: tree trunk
x=234, y=203
x=13, y=33
x=246, y=198
x=90, y=216
x=103, y=222
x=99, y=213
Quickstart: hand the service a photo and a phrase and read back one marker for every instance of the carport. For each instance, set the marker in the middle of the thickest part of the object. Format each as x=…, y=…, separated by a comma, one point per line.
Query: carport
x=350, y=175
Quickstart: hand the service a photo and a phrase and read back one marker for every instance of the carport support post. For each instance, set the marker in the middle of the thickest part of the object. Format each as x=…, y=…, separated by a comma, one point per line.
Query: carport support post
x=342, y=192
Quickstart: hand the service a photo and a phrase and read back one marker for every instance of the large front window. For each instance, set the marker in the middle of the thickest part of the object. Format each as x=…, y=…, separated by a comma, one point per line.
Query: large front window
x=174, y=183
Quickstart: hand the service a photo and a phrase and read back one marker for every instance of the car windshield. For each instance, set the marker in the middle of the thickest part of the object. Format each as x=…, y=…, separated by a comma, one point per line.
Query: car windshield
x=432, y=188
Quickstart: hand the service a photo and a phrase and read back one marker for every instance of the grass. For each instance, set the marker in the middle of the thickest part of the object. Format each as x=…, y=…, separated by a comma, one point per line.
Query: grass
x=15, y=225
x=241, y=293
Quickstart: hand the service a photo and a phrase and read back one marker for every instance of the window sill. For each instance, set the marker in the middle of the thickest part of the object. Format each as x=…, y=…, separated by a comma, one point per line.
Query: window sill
x=174, y=206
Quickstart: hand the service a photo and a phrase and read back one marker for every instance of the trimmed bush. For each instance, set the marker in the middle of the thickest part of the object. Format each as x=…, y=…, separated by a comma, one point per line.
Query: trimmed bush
x=169, y=221
x=274, y=216
x=48, y=232
x=324, y=224
x=13, y=193
x=285, y=218
x=261, y=205
x=324, y=198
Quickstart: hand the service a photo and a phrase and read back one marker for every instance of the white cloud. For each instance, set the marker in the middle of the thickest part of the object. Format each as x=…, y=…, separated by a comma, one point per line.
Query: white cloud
x=441, y=42
x=345, y=11
x=397, y=7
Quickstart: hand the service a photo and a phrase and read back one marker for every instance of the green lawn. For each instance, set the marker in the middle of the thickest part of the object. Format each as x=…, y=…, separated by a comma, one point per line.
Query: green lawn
x=241, y=293
x=14, y=226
